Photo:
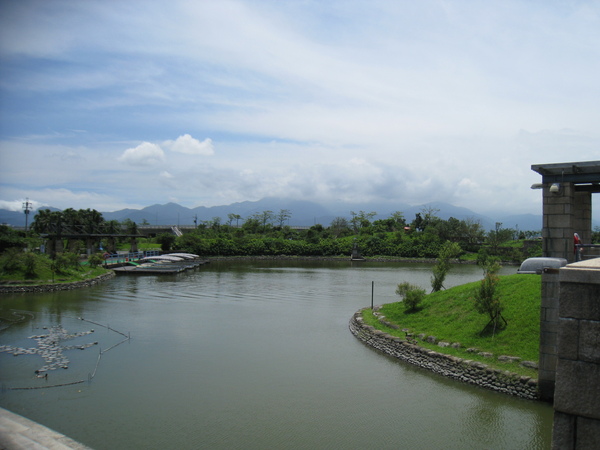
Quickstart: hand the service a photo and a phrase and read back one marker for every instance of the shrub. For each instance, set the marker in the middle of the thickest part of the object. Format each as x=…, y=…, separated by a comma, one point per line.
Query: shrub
x=29, y=265
x=440, y=270
x=95, y=260
x=166, y=241
x=487, y=300
x=412, y=295
x=65, y=261
x=11, y=261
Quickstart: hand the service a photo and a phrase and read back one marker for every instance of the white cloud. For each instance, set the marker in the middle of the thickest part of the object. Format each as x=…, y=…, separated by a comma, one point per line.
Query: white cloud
x=190, y=146
x=145, y=154
x=62, y=198
x=405, y=101
x=19, y=205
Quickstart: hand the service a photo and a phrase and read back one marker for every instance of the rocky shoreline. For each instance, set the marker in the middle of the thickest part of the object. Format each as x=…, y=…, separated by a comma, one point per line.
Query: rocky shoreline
x=467, y=371
x=51, y=287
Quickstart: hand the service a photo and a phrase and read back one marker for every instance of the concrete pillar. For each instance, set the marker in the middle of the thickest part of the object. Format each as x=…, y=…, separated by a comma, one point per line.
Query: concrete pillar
x=565, y=212
x=577, y=393
x=548, y=334
x=582, y=218
x=112, y=245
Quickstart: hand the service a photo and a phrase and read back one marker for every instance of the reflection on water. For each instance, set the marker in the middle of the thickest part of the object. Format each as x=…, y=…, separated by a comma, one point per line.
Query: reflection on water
x=254, y=355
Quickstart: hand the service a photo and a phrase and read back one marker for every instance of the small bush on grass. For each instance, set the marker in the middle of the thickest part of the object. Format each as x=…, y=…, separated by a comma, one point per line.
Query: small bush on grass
x=412, y=296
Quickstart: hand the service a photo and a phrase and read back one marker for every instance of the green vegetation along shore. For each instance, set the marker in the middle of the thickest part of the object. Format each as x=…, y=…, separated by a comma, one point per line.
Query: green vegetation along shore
x=27, y=268
x=450, y=316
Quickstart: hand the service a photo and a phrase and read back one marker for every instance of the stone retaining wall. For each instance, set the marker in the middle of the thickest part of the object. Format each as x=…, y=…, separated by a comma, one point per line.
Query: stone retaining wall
x=7, y=289
x=467, y=371
x=577, y=393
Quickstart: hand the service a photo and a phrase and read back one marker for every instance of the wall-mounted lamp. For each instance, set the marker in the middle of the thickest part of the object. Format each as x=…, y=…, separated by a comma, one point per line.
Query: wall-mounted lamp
x=555, y=188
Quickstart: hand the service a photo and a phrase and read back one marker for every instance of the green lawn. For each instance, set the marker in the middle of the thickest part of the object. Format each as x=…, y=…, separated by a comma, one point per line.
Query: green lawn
x=450, y=316
x=43, y=272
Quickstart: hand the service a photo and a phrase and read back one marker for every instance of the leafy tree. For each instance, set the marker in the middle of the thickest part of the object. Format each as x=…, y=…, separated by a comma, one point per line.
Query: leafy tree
x=487, y=300
x=216, y=222
x=498, y=236
x=166, y=241
x=596, y=235
x=10, y=261
x=425, y=218
x=95, y=260
x=412, y=295
x=339, y=226
x=283, y=216
x=251, y=225
x=130, y=226
x=417, y=224
x=398, y=218
x=361, y=220
x=233, y=217
x=65, y=261
x=448, y=251
x=10, y=238
x=471, y=233
x=29, y=265
x=46, y=221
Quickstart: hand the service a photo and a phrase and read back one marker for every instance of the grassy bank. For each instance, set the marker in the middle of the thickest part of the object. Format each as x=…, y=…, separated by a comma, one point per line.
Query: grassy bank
x=30, y=269
x=450, y=316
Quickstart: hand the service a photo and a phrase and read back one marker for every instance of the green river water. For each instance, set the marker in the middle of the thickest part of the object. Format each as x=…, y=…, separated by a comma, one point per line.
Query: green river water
x=246, y=355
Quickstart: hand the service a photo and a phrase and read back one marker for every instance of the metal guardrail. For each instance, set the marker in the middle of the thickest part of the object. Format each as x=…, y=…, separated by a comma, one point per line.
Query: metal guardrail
x=120, y=258
x=579, y=250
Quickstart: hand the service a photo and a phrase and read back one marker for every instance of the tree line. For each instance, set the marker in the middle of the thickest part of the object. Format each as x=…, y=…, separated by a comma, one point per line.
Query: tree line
x=266, y=233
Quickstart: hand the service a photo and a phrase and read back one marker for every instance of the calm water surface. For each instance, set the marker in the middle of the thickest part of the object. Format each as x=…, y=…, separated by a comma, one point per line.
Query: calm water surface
x=252, y=355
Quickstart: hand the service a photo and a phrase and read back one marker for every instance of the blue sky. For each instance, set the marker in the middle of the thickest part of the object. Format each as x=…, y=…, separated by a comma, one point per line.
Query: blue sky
x=116, y=104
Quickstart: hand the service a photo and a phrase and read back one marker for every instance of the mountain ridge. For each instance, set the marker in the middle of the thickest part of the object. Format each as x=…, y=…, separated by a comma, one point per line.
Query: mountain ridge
x=303, y=213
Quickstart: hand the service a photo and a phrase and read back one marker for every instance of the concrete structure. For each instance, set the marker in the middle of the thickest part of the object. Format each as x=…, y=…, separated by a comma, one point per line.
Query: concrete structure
x=567, y=205
x=17, y=432
x=577, y=393
x=548, y=334
x=567, y=208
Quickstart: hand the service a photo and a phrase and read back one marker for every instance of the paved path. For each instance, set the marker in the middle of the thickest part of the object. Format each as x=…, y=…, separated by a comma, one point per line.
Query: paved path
x=17, y=432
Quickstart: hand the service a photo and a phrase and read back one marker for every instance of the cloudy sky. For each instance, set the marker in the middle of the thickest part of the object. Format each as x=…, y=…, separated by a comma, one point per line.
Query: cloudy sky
x=115, y=104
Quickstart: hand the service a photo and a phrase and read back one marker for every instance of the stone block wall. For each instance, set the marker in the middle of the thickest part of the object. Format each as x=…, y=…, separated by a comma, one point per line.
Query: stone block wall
x=548, y=334
x=565, y=212
x=465, y=370
x=577, y=392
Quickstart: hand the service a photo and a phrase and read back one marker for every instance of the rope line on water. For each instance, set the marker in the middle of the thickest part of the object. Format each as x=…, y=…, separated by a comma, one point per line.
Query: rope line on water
x=90, y=375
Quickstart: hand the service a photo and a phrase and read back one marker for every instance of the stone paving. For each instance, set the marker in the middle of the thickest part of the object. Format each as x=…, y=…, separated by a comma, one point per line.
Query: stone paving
x=17, y=433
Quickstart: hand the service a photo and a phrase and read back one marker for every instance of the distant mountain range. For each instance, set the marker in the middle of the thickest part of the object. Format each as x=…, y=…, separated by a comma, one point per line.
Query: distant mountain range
x=303, y=213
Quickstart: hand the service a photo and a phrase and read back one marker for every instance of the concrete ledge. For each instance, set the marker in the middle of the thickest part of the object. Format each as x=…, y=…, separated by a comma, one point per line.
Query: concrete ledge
x=18, y=432
x=586, y=271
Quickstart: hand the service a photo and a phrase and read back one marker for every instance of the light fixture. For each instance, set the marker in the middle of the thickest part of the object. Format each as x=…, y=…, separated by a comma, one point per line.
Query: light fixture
x=555, y=188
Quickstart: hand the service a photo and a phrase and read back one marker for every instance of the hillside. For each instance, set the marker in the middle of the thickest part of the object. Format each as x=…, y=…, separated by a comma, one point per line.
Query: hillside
x=303, y=213
x=450, y=316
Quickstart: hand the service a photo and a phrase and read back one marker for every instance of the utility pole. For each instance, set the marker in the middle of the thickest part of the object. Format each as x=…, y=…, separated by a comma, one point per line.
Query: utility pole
x=27, y=207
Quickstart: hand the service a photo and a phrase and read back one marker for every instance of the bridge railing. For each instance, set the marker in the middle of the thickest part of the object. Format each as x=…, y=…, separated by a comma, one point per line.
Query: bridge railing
x=579, y=250
x=123, y=257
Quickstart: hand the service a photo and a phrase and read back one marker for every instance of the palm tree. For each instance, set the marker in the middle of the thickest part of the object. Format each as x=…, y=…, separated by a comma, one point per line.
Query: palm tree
x=90, y=222
x=50, y=223
x=112, y=228
x=41, y=221
x=70, y=223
